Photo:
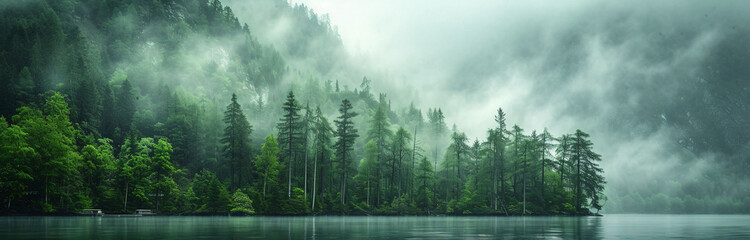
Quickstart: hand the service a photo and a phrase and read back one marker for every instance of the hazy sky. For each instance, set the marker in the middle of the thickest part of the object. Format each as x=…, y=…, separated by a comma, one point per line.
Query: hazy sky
x=470, y=57
x=595, y=65
x=422, y=43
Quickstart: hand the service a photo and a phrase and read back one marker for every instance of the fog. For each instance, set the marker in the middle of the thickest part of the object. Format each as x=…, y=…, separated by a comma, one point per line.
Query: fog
x=663, y=88
x=617, y=70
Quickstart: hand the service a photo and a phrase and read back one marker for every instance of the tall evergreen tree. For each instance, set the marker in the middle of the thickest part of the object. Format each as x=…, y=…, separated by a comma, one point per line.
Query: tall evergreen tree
x=589, y=179
x=108, y=121
x=379, y=132
x=125, y=107
x=306, y=122
x=498, y=140
x=236, y=138
x=518, y=143
x=290, y=136
x=367, y=169
x=438, y=128
x=322, y=154
x=400, y=150
x=346, y=134
x=425, y=177
x=459, y=150
x=545, y=144
x=563, y=155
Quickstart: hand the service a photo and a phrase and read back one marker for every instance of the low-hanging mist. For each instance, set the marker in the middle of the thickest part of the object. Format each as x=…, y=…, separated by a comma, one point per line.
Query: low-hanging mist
x=662, y=89
x=662, y=86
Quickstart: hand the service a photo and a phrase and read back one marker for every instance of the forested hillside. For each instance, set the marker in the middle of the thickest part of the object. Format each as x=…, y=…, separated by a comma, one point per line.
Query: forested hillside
x=177, y=106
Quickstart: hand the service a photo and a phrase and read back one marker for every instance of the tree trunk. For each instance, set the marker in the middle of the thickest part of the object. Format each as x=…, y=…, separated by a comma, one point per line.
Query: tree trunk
x=315, y=180
x=306, y=157
x=400, y=171
x=46, y=184
x=413, y=160
x=289, y=156
x=494, y=174
x=265, y=182
x=126, y=196
x=502, y=178
x=323, y=184
x=393, y=177
x=578, y=178
x=524, y=181
x=368, y=179
x=157, y=201
x=544, y=143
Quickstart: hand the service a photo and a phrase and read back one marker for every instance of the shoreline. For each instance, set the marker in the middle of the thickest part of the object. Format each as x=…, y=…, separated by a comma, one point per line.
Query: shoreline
x=282, y=215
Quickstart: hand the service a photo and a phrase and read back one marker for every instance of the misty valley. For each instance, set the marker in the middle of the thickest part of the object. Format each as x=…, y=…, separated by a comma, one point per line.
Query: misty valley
x=205, y=118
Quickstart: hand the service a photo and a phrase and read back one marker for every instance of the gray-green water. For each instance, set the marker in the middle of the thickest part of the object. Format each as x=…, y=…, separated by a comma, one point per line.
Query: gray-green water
x=162, y=228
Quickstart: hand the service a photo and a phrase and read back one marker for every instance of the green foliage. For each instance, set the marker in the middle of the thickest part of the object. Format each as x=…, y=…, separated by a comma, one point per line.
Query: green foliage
x=346, y=134
x=237, y=143
x=367, y=172
x=98, y=171
x=148, y=81
x=51, y=135
x=425, y=178
x=295, y=205
x=211, y=195
x=15, y=156
x=290, y=138
x=162, y=173
x=241, y=204
x=267, y=163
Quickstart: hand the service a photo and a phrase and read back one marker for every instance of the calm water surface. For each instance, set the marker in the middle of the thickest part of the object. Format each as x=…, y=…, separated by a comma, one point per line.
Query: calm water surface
x=331, y=227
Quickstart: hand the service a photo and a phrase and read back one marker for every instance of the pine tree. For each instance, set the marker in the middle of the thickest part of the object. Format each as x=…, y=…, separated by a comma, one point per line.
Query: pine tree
x=589, y=179
x=400, y=152
x=125, y=107
x=346, y=134
x=518, y=139
x=425, y=177
x=544, y=146
x=438, y=128
x=290, y=137
x=236, y=138
x=306, y=122
x=379, y=132
x=108, y=121
x=475, y=154
x=459, y=149
x=367, y=169
x=321, y=152
x=563, y=155
x=23, y=88
x=498, y=140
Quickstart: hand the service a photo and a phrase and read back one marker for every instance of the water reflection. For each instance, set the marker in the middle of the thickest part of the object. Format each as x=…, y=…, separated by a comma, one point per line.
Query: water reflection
x=336, y=227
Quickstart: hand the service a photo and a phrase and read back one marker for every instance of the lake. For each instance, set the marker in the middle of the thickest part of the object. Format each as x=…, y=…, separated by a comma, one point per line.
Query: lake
x=613, y=226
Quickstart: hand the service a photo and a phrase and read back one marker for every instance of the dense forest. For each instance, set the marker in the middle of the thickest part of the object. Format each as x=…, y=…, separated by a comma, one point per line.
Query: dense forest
x=176, y=106
x=196, y=107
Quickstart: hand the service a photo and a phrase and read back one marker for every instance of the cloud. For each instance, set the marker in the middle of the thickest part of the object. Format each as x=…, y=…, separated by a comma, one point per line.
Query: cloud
x=613, y=69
